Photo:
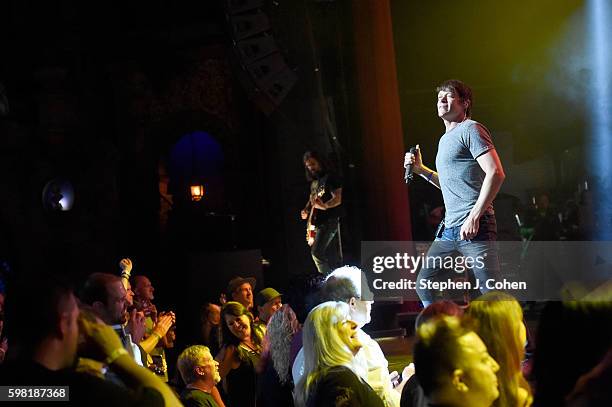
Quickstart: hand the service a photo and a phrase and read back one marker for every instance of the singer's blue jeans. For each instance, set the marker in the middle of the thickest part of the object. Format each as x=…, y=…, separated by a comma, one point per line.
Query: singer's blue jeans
x=483, y=246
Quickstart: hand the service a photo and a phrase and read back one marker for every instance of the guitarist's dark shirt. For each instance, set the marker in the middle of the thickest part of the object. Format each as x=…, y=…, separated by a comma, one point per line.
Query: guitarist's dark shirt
x=330, y=182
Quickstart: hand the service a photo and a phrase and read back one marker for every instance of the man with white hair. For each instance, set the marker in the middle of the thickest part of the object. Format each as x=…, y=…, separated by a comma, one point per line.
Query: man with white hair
x=200, y=372
x=348, y=284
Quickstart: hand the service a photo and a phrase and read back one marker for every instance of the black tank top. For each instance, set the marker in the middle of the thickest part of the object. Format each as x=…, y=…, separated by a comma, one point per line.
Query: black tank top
x=242, y=381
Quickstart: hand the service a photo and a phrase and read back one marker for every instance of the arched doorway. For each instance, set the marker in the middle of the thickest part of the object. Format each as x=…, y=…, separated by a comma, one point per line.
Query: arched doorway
x=197, y=157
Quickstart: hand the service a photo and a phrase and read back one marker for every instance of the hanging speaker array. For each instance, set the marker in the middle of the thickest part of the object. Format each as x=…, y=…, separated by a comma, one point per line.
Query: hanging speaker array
x=267, y=75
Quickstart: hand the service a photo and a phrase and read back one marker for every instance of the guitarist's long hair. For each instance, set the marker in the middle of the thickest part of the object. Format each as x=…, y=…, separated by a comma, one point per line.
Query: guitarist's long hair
x=326, y=165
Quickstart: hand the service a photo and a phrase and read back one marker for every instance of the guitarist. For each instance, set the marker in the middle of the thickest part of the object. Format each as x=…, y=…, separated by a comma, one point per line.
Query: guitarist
x=323, y=209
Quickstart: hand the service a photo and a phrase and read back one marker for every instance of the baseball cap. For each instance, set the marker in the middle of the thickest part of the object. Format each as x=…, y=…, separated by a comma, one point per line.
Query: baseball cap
x=266, y=295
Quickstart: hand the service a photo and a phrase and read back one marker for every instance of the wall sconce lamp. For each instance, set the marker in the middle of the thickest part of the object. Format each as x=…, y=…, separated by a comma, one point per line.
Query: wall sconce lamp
x=197, y=192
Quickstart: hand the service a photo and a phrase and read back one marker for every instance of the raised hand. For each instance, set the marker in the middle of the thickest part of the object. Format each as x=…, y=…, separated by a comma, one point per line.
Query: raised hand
x=126, y=265
x=164, y=322
x=136, y=325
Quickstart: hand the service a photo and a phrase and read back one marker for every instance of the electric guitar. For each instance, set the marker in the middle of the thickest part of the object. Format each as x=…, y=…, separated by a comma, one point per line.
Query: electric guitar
x=311, y=229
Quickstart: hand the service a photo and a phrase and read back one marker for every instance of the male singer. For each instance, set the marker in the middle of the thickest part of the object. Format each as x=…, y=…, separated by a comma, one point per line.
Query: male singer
x=469, y=175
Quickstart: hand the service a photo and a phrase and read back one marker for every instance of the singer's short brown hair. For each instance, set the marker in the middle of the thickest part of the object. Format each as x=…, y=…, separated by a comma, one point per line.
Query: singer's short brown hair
x=460, y=89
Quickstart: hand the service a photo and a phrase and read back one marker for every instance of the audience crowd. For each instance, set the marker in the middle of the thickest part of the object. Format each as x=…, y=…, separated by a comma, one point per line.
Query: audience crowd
x=305, y=346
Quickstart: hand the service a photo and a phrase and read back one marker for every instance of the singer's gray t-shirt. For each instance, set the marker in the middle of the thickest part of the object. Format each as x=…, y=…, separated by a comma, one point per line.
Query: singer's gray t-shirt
x=460, y=174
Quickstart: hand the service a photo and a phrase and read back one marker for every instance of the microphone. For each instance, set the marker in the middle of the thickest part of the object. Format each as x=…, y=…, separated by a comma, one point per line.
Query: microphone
x=408, y=173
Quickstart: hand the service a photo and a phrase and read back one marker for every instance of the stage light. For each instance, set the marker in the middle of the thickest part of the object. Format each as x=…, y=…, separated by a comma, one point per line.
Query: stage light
x=58, y=195
x=601, y=107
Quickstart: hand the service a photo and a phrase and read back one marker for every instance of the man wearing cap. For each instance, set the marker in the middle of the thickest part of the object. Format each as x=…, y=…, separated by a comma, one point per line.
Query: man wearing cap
x=240, y=289
x=268, y=302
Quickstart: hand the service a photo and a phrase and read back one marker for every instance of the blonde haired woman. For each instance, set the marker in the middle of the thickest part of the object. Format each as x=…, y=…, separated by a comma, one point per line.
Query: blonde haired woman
x=330, y=343
x=499, y=323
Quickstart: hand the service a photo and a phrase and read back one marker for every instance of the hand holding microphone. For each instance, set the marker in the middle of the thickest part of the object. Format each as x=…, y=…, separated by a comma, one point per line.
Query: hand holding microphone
x=413, y=163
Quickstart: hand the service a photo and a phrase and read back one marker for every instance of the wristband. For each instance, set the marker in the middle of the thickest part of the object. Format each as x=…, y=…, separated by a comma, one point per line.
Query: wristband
x=156, y=334
x=115, y=355
x=428, y=177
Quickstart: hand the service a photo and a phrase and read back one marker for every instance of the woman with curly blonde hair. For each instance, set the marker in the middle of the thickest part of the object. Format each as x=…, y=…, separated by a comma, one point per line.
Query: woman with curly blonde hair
x=498, y=321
